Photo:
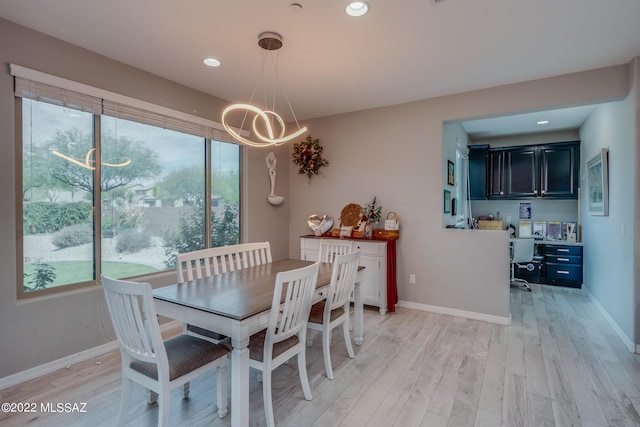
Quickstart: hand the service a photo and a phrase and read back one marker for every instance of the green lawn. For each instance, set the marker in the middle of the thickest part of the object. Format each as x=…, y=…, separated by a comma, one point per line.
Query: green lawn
x=81, y=271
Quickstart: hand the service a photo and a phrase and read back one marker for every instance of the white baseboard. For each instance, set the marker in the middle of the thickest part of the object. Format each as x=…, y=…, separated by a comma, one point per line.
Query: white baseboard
x=67, y=361
x=630, y=345
x=458, y=313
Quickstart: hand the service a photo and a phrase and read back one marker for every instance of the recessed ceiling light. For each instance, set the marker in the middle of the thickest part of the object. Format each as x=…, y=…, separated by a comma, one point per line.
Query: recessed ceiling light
x=357, y=8
x=543, y=122
x=211, y=62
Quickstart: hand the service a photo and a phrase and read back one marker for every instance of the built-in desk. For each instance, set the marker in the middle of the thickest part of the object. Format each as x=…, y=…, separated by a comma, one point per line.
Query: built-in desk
x=561, y=263
x=558, y=243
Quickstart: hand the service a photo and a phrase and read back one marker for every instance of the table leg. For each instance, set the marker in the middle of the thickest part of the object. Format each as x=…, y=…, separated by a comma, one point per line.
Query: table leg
x=240, y=381
x=358, y=314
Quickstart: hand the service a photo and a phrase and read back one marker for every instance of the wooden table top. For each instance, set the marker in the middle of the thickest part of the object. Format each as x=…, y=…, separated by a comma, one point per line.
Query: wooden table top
x=238, y=294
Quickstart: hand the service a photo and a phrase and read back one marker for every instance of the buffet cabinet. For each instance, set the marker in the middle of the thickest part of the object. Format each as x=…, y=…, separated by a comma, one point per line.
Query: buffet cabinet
x=373, y=256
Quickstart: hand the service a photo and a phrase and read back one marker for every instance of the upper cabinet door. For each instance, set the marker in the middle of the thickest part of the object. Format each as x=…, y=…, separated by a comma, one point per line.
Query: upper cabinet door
x=495, y=168
x=521, y=170
x=478, y=172
x=559, y=171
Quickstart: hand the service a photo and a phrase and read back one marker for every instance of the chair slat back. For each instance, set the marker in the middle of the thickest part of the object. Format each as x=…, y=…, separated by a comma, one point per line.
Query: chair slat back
x=134, y=319
x=291, y=316
x=213, y=261
x=329, y=248
x=252, y=254
x=343, y=279
x=204, y=263
x=523, y=250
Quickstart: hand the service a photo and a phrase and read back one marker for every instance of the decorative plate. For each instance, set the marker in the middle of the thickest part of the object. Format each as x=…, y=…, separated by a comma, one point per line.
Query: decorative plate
x=350, y=215
x=322, y=223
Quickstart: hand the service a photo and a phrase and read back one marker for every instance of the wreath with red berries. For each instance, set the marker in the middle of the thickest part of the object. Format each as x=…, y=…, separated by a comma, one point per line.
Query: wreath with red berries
x=307, y=155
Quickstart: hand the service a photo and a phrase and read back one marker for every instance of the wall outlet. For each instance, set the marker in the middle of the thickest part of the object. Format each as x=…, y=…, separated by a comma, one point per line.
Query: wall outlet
x=508, y=218
x=412, y=278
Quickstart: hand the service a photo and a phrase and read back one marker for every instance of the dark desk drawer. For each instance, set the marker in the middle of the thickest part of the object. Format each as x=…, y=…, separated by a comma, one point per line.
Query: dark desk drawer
x=563, y=250
x=564, y=259
x=564, y=272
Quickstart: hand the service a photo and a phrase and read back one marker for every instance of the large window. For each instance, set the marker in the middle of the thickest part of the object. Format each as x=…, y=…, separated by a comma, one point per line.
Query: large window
x=156, y=191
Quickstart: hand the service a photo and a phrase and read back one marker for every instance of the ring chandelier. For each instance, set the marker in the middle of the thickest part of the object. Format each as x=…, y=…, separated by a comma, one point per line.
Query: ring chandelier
x=271, y=121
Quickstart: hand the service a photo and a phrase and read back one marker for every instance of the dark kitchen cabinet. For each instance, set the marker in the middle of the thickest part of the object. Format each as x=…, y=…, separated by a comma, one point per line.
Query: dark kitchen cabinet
x=478, y=172
x=529, y=171
x=521, y=172
x=495, y=171
x=559, y=170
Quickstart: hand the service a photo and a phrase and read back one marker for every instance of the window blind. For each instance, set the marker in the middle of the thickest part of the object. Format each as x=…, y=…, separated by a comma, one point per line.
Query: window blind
x=139, y=115
x=56, y=90
x=26, y=88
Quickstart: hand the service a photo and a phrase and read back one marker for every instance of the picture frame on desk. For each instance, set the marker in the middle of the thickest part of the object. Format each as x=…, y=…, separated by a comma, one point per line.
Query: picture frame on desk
x=540, y=229
x=569, y=231
x=524, y=228
x=554, y=230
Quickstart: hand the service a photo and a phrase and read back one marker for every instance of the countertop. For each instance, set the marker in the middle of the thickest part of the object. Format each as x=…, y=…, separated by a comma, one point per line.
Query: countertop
x=557, y=242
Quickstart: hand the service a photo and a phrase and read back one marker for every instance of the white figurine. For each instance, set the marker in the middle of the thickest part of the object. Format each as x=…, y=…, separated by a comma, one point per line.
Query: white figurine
x=271, y=165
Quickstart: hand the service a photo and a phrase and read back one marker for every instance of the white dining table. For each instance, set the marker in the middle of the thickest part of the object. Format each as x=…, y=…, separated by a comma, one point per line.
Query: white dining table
x=237, y=304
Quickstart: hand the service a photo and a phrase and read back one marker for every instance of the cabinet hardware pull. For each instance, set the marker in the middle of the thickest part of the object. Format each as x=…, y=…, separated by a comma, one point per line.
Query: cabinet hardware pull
x=563, y=272
x=563, y=259
x=562, y=250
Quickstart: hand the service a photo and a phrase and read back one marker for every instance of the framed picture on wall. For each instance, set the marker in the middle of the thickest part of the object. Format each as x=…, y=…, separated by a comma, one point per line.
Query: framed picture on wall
x=598, y=184
x=447, y=201
x=451, y=169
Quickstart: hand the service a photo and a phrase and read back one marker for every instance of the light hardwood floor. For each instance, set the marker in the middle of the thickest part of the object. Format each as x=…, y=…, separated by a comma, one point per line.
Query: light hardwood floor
x=558, y=364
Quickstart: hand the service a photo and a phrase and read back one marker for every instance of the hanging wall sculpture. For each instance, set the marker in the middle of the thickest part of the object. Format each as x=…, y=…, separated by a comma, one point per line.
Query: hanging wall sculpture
x=271, y=165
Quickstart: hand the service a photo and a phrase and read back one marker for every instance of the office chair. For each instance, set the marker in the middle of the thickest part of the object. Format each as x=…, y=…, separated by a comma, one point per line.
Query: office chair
x=522, y=254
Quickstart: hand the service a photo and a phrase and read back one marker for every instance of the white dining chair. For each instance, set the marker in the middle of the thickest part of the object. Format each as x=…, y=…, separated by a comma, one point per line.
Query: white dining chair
x=200, y=264
x=328, y=314
x=286, y=331
x=329, y=248
x=204, y=263
x=213, y=261
x=252, y=254
x=157, y=365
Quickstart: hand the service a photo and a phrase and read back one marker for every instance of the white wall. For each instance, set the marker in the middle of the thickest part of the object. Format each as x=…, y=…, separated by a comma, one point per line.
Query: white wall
x=261, y=220
x=609, y=251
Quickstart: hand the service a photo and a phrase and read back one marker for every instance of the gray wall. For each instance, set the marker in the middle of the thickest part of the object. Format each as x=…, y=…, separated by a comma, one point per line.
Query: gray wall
x=396, y=154
x=40, y=330
x=610, y=250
